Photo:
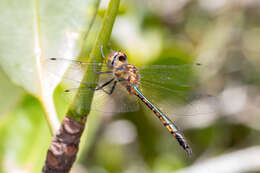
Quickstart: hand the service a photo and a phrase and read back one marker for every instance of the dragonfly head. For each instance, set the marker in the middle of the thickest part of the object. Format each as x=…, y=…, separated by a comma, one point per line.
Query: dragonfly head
x=116, y=59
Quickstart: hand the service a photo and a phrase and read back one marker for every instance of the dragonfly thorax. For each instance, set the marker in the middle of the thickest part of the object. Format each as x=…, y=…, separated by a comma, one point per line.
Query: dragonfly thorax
x=128, y=76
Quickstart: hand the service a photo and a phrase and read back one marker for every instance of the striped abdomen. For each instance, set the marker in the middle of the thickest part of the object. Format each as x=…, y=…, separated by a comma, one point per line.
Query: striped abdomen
x=166, y=122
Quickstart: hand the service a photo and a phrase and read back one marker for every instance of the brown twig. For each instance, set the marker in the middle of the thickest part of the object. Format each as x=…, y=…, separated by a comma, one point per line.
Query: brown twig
x=64, y=147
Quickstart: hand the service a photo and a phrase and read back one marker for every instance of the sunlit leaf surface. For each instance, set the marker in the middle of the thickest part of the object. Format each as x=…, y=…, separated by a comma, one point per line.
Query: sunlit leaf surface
x=33, y=30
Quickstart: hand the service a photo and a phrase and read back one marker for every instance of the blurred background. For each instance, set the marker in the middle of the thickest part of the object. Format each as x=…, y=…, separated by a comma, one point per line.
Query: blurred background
x=221, y=114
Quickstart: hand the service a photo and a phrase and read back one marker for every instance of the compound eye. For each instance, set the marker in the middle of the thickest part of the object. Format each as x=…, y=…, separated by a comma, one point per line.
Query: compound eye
x=122, y=58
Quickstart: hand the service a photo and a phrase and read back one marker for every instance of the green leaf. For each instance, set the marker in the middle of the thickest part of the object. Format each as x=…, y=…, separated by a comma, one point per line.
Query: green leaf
x=32, y=31
x=10, y=95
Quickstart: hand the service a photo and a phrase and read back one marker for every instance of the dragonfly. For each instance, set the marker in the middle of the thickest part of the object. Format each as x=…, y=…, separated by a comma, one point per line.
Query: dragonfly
x=129, y=78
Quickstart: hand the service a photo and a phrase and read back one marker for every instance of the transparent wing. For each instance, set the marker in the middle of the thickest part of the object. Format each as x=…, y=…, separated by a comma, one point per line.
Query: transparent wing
x=168, y=100
x=72, y=70
x=179, y=102
x=182, y=75
x=171, y=88
x=168, y=87
x=118, y=101
x=74, y=64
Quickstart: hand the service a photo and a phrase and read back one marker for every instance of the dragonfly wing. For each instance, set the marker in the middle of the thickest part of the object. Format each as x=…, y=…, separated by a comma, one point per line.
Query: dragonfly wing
x=73, y=64
x=179, y=102
x=118, y=101
x=179, y=75
x=171, y=87
x=71, y=70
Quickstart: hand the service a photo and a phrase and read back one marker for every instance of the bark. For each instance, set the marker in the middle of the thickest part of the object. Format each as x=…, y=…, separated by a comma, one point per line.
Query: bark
x=64, y=147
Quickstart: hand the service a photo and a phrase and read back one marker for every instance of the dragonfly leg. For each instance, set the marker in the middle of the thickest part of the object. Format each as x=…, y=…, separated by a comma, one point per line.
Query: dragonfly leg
x=112, y=89
x=102, y=52
x=100, y=72
x=105, y=84
x=103, y=72
x=99, y=87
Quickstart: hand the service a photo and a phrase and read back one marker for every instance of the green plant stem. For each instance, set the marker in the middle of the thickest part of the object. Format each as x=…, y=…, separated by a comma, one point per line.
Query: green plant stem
x=95, y=7
x=80, y=107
